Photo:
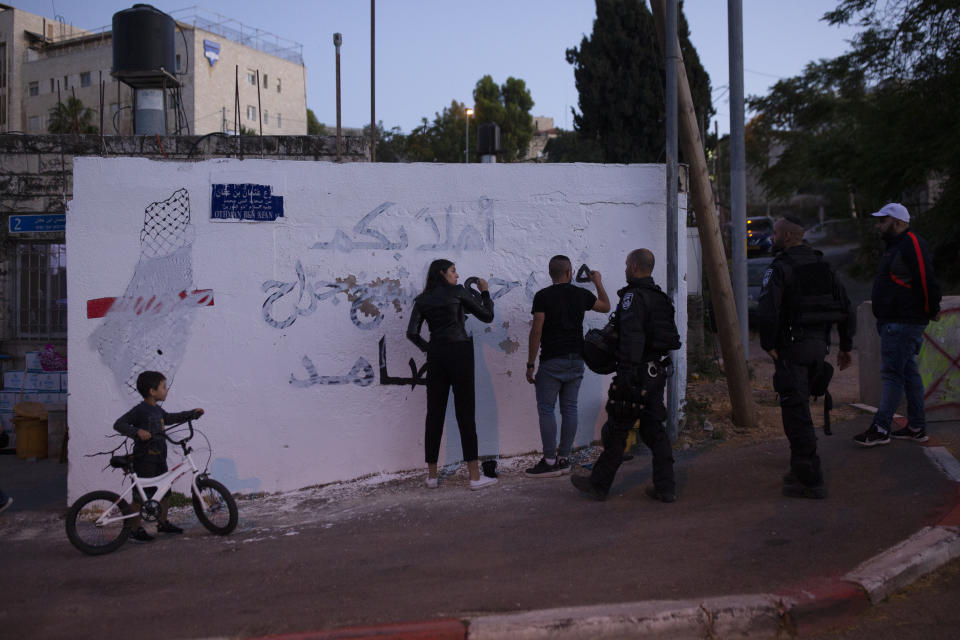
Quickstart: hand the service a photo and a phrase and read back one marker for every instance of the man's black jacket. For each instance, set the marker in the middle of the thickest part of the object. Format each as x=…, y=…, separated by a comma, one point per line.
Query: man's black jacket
x=906, y=289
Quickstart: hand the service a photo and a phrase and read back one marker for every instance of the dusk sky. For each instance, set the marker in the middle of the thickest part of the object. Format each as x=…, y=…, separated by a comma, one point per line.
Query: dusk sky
x=429, y=52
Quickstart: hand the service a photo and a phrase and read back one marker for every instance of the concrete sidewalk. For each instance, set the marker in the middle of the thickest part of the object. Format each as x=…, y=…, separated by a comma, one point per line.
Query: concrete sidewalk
x=531, y=558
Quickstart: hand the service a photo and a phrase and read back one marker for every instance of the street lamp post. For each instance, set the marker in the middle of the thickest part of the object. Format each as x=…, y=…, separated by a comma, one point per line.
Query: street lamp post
x=466, y=149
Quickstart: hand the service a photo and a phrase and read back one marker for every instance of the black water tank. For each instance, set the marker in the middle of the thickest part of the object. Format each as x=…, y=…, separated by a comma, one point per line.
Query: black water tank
x=143, y=41
x=488, y=139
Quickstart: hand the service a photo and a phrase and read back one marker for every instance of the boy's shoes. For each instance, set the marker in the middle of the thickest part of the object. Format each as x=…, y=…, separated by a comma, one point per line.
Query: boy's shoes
x=663, y=496
x=166, y=527
x=432, y=483
x=872, y=437
x=140, y=534
x=907, y=433
x=6, y=504
x=585, y=485
x=482, y=483
x=544, y=469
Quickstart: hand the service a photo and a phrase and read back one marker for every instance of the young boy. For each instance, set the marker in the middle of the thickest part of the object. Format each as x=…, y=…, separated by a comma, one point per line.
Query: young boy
x=145, y=424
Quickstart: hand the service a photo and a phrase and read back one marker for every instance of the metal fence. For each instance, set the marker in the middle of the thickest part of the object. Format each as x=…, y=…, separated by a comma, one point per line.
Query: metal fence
x=40, y=290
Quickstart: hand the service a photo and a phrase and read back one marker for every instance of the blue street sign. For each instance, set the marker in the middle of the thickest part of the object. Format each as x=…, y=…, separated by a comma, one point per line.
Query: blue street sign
x=33, y=223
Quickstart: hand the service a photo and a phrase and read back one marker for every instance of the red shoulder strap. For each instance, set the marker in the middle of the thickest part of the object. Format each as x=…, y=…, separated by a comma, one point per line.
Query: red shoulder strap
x=923, y=272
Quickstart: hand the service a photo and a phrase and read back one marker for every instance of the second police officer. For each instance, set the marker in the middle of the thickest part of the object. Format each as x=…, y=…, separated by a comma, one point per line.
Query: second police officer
x=800, y=300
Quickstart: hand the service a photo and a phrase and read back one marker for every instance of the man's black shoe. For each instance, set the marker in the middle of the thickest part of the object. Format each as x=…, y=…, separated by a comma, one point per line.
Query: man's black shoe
x=662, y=496
x=544, y=469
x=140, y=535
x=872, y=437
x=585, y=485
x=166, y=527
x=908, y=433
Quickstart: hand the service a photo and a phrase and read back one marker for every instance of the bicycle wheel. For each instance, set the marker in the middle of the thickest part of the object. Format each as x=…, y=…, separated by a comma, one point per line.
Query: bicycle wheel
x=96, y=539
x=216, y=509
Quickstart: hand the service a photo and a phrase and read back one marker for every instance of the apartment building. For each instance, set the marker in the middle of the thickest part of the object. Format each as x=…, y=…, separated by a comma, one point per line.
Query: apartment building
x=43, y=61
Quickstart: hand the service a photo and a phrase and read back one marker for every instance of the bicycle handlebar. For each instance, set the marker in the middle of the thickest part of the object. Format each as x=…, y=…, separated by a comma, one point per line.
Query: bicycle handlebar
x=189, y=423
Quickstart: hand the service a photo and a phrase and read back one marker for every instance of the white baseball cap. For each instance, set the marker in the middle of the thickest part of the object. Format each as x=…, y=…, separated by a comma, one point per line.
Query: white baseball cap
x=894, y=210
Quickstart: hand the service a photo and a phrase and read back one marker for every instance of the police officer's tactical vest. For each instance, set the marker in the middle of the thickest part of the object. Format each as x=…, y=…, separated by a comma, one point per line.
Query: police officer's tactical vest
x=816, y=298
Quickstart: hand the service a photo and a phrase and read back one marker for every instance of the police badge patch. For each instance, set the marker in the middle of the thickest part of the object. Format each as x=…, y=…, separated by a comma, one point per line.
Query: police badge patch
x=766, y=277
x=627, y=301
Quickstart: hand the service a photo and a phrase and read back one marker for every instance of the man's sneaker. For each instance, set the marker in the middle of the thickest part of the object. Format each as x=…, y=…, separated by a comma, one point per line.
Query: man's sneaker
x=140, y=534
x=167, y=527
x=799, y=490
x=585, y=485
x=432, y=483
x=564, y=465
x=6, y=504
x=663, y=496
x=544, y=469
x=872, y=437
x=482, y=483
x=909, y=434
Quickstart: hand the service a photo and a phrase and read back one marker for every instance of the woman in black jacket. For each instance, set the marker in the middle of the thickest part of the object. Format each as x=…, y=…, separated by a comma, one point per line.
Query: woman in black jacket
x=444, y=305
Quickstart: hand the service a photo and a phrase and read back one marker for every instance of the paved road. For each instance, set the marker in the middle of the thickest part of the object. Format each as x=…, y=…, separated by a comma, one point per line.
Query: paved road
x=360, y=554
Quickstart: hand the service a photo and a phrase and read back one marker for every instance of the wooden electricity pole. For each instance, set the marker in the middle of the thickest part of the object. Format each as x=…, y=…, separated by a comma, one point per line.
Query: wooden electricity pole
x=714, y=259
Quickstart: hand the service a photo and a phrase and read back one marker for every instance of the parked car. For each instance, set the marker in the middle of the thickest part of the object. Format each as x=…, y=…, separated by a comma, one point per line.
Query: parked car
x=759, y=235
x=840, y=231
x=756, y=267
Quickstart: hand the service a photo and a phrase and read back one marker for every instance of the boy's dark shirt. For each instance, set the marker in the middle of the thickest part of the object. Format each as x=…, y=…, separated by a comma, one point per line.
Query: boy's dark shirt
x=153, y=419
x=563, y=306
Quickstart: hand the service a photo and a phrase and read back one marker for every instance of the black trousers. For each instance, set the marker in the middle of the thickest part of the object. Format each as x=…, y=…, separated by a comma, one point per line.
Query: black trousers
x=796, y=365
x=450, y=365
x=652, y=432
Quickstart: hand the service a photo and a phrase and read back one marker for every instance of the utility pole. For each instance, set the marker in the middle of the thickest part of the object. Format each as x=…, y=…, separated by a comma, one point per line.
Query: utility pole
x=672, y=60
x=738, y=180
x=715, y=263
x=337, y=41
x=373, y=84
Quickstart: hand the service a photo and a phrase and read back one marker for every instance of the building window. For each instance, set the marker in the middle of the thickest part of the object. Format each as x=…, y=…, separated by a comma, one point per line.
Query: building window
x=279, y=121
x=251, y=112
x=40, y=298
x=252, y=78
x=278, y=85
x=53, y=86
x=34, y=88
x=3, y=65
x=85, y=79
x=266, y=117
x=33, y=123
x=178, y=63
x=266, y=85
x=66, y=82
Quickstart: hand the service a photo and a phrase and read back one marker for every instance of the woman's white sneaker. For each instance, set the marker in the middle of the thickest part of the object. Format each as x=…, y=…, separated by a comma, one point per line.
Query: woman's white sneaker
x=482, y=483
x=432, y=483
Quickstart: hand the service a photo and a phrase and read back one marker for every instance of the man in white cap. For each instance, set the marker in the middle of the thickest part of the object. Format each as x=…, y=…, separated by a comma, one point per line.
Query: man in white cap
x=905, y=298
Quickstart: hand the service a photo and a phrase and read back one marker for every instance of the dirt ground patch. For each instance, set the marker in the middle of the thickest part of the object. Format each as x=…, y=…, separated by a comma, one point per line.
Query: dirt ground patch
x=709, y=412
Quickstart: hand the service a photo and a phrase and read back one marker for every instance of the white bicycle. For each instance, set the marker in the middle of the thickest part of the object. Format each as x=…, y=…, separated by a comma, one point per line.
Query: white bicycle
x=99, y=521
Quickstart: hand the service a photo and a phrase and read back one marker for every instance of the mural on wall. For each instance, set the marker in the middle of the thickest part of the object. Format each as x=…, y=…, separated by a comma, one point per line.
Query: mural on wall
x=369, y=302
x=148, y=327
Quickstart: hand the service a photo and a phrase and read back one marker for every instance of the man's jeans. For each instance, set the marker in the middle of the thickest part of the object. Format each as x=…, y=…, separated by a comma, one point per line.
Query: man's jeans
x=899, y=346
x=558, y=377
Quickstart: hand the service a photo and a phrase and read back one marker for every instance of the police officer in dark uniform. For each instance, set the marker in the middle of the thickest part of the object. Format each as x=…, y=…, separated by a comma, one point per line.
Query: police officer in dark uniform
x=647, y=331
x=801, y=299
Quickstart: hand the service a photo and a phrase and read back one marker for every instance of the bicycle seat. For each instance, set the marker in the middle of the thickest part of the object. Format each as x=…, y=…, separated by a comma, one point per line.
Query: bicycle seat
x=122, y=462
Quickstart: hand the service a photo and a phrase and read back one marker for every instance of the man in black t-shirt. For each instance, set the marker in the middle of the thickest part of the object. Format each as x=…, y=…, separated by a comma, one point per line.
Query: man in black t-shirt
x=557, y=332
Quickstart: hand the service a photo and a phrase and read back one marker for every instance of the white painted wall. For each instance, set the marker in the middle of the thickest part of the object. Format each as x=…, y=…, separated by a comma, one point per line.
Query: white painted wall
x=269, y=433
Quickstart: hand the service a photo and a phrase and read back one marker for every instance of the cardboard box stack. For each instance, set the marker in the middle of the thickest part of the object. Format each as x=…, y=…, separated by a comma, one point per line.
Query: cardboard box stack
x=31, y=385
